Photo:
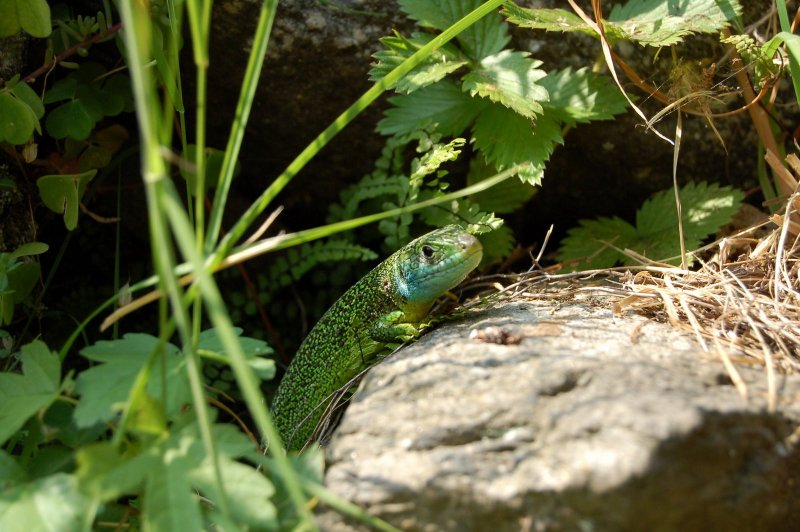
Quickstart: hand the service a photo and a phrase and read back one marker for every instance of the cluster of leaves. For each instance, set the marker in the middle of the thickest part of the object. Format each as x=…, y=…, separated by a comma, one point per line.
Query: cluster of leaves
x=138, y=386
x=646, y=22
x=601, y=243
x=72, y=107
x=513, y=111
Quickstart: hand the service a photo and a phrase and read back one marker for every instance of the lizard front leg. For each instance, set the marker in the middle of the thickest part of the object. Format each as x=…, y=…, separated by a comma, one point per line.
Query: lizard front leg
x=392, y=327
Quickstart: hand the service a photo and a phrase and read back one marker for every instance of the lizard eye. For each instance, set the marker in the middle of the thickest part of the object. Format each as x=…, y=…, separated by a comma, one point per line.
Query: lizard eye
x=427, y=251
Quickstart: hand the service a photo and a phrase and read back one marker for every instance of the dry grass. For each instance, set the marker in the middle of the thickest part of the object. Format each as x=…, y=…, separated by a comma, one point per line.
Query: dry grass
x=742, y=304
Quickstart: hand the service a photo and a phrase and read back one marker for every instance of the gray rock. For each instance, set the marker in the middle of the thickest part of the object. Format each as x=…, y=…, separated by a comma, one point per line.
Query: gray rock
x=591, y=422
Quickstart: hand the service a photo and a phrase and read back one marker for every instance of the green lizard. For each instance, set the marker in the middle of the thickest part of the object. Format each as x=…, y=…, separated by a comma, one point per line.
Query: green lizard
x=388, y=305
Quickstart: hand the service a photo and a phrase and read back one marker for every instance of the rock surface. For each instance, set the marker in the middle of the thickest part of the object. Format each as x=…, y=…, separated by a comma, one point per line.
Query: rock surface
x=591, y=422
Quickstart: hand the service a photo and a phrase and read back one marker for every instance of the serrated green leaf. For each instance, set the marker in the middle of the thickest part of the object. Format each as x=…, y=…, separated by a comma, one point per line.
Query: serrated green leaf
x=248, y=491
x=104, y=388
x=437, y=65
x=17, y=120
x=33, y=16
x=50, y=503
x=21, y=396
x=442, y=104
x=63, y=193
x=590, y=243
x=506, y=138
x=581, y=96
x=706, y=208
x=660, y=23
x=487, y=36
x=545, y=19
x=509, y=78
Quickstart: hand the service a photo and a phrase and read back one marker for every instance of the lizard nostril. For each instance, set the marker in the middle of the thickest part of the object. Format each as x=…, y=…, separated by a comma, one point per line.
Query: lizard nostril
x=466, y=240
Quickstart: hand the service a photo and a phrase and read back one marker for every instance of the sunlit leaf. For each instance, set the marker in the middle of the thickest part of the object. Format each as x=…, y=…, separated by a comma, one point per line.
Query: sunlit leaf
x=509, y=78
x=49, y=503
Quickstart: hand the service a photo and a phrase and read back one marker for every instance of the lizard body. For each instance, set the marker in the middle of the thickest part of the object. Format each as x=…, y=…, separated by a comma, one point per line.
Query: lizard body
x=385, y=306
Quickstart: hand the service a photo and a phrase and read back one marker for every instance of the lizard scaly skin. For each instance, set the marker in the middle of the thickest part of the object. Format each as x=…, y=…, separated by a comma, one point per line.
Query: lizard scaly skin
x=385, y=306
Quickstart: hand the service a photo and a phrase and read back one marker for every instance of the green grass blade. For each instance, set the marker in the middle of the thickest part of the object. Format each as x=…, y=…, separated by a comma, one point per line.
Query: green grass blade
x=246, y=96
x=255, y=210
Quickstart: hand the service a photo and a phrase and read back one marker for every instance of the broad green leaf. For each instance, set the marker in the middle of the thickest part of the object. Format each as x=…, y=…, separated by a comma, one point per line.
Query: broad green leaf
x=105, y=474
x=25, y=93
x=590, y=243
x=660, y=23
x=49, y=503
x=169, y=502
x=63, y=89
x=545, y=19
x=509, y=78
x=10, y=471
x=105, y=387
x=60, y=422
x=442, y=104
x=706, y=208
x=398, y=48
x=63, y=193
x=90, y=96
x=228, y=439
x=251, y=347
x=581, y=96
x=33, y=16
x=17, y=120
x=248, y=491
x=69, y=120
x=487, y=36
x=506, y=138
x=22, y=395
x=29, y=249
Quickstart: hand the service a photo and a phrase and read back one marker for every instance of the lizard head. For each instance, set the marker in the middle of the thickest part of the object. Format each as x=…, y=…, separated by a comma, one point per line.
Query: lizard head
x=434, y=263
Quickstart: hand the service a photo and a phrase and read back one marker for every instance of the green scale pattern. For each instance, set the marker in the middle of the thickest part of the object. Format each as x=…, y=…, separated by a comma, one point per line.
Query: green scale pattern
x=385, y=306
